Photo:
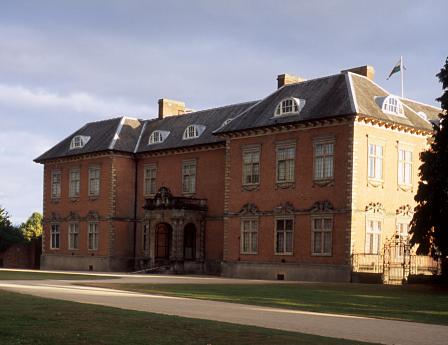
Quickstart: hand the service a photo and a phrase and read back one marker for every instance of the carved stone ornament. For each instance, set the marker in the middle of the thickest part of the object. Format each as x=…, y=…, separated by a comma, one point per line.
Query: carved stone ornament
x=92, y=215
x=73, y=216
x=55, y=217
x=375, y=207
x=322, y=206
x=249, y=209
x=284, y=209
x=405, y=210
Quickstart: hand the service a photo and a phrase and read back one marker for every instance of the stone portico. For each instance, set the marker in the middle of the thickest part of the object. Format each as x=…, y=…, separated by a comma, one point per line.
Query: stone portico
x=174, y=232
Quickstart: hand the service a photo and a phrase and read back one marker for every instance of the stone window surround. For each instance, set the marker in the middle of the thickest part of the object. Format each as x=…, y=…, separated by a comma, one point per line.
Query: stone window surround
x=327, y=139
x=378, y=217
x=285, y=144
x=250, y=149
x=145, y=167
x=97, y=235
x=91, y=168
x=407, y=147
x=257, y=222
x=374, y=140
x=321, y=216
x=69, y=244
x=283, y=217
x=51, y=235
x=70, y=170
x=186, y=162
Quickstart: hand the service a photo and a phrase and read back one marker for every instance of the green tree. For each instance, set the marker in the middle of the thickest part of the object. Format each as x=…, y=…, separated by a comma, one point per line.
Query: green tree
x=429, y=226
x=9, y=234
x=32, y=228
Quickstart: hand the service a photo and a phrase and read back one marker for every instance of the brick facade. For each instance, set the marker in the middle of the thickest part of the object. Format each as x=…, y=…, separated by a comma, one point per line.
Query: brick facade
x=300, y=216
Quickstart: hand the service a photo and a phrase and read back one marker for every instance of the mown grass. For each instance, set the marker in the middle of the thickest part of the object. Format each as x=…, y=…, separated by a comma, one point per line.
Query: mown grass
x=427, y=304
x=26, y=275
x=29, y=320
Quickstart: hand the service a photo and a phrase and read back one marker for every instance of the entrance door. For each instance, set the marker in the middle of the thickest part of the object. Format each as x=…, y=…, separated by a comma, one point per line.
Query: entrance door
x=190, y=242
x=163, y=241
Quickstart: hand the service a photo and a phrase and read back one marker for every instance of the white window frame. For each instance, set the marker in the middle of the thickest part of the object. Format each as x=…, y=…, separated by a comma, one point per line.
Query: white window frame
x=93, y=236
x=290, y=162
x=251, y=164
x=73, y=236
x=158, y=137
x=193, y=131
x=393, y=106
x=189, y=172
x=79, y=141
x=56, y=179
x=323, y=231
x=373, y=237
x=375, y=161
x=289, y=106
x=74, y=184
x=150, y=179
x=403, y=223
x=94, y=180
x=323, y=159
x=55, y=236
x=284, y=250
x=405, y=160
x=251, y=234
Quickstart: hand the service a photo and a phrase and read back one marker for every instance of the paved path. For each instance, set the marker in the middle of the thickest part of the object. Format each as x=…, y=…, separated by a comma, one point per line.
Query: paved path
x=331, y=325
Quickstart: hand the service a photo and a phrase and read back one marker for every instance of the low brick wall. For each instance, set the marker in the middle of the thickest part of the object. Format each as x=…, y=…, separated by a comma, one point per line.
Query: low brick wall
x=24, y=255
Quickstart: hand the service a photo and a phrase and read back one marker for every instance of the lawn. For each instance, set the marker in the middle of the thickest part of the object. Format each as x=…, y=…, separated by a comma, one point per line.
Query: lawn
x=427, y=304
x=26, y=275
x=33, y=320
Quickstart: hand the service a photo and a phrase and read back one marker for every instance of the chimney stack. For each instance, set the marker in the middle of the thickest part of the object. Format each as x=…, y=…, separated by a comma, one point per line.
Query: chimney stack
x=366, y=71
x=169, y=107
x=285, y=79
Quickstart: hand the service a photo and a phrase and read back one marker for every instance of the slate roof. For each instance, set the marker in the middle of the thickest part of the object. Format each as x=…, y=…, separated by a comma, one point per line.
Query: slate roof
x=212, y=119
x=324, y=97
x=342, y=94
x=118, y=134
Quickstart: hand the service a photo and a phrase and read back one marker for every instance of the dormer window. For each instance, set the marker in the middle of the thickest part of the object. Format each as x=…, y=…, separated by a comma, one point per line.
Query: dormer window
x=158, y=137
x=226, y=122
x=193, y=131
x=289, y=106
x=79, y=141
x=392, y=105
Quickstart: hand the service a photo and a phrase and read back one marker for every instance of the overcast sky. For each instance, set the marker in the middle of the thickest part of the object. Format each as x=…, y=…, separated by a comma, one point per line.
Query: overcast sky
x=64, y=63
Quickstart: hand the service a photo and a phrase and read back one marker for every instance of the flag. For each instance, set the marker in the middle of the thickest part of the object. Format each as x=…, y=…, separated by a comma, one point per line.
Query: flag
x=397, y=68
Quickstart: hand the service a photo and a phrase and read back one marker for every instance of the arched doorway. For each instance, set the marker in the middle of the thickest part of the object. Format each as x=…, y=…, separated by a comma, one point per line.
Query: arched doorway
x=163, y=241
x=190, y=242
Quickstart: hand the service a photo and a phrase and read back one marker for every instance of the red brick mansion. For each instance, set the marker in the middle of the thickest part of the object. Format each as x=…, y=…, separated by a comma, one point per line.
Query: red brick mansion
x=286, y=187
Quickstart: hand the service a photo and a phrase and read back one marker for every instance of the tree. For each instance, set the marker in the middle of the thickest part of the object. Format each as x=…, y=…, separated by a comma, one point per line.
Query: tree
x=32, y=228
x=9, y=234
x=429, y=226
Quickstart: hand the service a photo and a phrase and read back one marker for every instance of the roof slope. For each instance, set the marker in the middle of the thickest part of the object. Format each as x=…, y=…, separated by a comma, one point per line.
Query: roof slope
x=212, y=119
x=113, y=134
x=324, y=97
x=367, y=92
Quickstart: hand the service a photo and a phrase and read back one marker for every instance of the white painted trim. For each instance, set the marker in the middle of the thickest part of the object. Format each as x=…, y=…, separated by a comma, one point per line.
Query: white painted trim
x=117, y=133
x=353, y=101
x=140, y=136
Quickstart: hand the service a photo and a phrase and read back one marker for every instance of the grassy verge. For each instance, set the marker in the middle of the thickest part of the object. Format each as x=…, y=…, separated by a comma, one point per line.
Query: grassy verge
x=409, y=303
x=21, y=275
x=30, y=320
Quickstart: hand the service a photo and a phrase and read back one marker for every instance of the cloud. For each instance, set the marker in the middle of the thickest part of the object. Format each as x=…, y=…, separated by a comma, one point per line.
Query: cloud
x=20, y=177
x=23, y=97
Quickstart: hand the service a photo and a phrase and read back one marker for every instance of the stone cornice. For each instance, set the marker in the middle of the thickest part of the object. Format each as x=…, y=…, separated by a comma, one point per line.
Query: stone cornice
x=369, y=120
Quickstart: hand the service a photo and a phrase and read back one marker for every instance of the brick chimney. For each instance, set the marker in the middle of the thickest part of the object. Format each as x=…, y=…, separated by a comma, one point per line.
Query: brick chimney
x=285, y=79
x=366, y=71
x=169, y=107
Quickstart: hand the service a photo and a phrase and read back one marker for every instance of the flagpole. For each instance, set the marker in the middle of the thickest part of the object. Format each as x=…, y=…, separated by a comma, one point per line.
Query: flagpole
x=401, y=73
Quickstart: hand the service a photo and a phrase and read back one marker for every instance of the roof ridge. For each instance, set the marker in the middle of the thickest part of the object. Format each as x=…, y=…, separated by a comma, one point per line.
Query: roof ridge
x=117, y=133
x=421, y=103
x=351, y=92
x=140, y=136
